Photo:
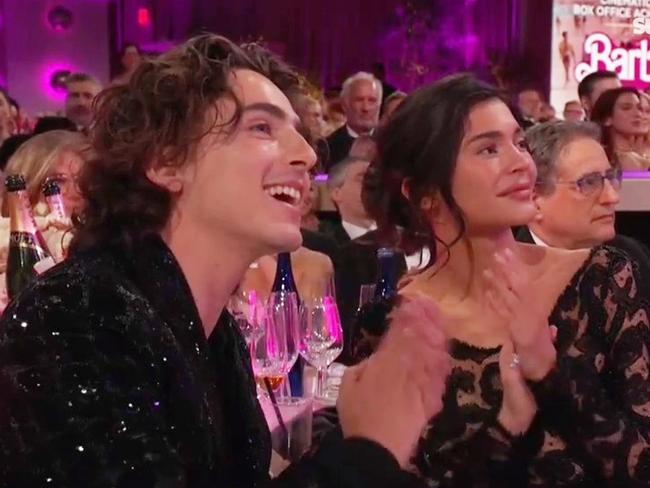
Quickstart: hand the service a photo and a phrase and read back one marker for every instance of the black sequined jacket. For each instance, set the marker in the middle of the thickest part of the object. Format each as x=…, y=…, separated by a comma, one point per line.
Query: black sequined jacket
x=107, y=380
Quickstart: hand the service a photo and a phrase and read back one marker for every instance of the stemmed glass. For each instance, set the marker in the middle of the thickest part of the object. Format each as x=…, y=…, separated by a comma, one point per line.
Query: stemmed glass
x=366, y=294
x=268, y=353
x=321, y=336
x=283, y=312
x=246, y=308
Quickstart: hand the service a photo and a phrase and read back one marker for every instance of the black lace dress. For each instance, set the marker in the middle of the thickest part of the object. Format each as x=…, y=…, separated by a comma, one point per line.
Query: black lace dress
x=593, y=424
x=107, y=380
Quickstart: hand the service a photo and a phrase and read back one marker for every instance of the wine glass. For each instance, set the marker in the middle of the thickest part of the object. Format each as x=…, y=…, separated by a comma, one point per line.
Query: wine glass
x=246, y=307
x=283, y=312
x=268, y=353
x=366, y=294
x=321, y=336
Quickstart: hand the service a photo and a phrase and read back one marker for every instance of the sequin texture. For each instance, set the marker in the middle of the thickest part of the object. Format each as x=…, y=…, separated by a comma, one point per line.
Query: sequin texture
x=129, y=393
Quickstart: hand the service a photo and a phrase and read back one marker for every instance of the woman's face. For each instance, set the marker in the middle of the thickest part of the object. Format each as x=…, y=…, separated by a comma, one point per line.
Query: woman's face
x=628, y=117
x=65, y=173
x=5, y=110
x=495, y=175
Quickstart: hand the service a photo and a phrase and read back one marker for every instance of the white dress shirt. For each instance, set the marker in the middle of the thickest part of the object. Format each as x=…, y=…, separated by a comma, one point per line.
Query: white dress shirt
x=355, y=231
x=354, y=134
x=418, y=260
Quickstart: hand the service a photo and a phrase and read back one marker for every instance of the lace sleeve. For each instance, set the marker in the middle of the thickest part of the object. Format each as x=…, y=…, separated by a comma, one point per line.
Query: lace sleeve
x=600, y=391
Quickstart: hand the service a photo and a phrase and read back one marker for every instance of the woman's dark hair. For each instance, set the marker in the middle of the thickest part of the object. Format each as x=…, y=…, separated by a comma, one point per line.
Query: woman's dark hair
x=419, y=146
x=9, y=146
x=603, y=110
x=159, y=118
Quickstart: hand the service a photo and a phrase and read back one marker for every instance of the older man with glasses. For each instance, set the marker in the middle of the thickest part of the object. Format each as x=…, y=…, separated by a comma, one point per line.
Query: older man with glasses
x=577, y=191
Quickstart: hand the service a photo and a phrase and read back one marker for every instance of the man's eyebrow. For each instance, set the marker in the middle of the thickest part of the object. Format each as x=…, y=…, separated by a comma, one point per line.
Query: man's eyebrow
x=274, y=111
x=269, y=108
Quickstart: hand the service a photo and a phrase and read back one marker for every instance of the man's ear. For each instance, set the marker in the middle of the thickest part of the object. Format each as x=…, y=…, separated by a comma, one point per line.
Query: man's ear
x=335, y=195
x=168, y=177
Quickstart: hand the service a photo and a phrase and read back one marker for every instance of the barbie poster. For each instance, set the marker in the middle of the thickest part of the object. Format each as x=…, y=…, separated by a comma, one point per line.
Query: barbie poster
x=589, y=35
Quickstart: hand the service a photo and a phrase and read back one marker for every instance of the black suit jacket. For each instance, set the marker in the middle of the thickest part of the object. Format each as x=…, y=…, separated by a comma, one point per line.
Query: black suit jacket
x=339, y=143
x=334, y=230
x=357, y=266
x=637, y=252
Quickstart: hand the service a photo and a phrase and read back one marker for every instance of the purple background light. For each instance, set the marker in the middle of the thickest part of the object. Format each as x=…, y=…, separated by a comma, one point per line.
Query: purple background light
x=46, y=78
x=636, y=175
x=417, y=40
x=31, y=50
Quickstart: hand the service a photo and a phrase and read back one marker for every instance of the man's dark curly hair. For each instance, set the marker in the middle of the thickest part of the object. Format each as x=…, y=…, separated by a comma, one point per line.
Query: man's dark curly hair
x=158, y=118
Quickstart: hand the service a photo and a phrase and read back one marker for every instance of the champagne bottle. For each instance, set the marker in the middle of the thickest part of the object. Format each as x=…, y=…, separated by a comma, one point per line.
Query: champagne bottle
x=52, y=194
x=285, y=283
x=28, y=254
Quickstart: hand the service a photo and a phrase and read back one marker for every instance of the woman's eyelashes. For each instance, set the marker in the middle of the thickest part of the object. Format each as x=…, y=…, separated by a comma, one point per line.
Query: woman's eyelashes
x=493, y=149
x=490, y=150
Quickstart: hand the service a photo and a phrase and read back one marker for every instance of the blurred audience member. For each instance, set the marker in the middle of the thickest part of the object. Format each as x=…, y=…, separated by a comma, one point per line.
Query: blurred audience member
x=625, y=127
x=379, y=72
x=130, y=59
x=529, y=102
x=55, y=155
x=344, y=183
x=333, y=111
x=82, y=90
x=573, y=111
x=547, y=113
x=52, y=122
x=593, y=85
x=308, y=207
x=21, y=122
x=361, y=100
x=645, y=103
x=310, y=111
x=391, y=104
x=364, y=147
x=7, y=122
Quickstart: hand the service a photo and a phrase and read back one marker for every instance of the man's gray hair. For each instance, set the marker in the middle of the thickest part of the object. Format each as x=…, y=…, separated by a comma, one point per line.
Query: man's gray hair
x=339, y=172
x=547, y=140
x=80, y=77
x=360, y=76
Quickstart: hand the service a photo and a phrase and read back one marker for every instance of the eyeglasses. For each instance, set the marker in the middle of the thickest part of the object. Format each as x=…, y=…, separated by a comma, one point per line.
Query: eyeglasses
x=592, y=183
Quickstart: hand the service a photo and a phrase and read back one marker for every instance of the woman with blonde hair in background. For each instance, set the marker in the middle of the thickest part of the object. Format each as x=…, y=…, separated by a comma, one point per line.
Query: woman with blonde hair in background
x=52, y=156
